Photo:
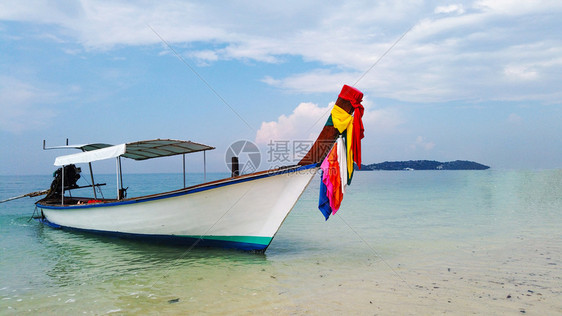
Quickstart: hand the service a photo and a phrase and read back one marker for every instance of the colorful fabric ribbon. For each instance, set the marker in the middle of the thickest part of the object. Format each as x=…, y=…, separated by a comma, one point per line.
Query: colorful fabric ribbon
x=355, y=97
x=332, y=180
x=324, y=201
x=337, y=167
x=342, y=163
x=344, y=121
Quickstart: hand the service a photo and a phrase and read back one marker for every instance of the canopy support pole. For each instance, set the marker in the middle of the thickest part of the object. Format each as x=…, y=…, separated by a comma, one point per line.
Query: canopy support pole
x=62, y=186
x=118, y=167
x=204, y=166
x=120, y=172
x=183, y=170
x=92, y=177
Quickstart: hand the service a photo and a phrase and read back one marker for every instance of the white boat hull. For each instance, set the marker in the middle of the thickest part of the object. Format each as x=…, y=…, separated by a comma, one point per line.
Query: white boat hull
x=243, y=213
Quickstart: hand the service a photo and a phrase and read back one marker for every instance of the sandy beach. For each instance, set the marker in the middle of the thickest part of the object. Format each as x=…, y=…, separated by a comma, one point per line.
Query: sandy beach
x=516, y=277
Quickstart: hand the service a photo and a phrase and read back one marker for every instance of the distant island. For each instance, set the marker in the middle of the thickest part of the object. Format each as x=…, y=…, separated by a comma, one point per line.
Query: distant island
x=424, y=165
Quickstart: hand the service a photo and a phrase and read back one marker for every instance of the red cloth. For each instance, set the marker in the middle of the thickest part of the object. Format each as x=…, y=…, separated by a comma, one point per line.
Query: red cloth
x=355, y=97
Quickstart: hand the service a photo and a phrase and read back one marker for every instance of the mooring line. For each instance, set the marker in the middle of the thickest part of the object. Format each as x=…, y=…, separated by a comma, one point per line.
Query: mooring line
x=366, y=72
x=376, y=254
x=382, y=56
x=201, y=78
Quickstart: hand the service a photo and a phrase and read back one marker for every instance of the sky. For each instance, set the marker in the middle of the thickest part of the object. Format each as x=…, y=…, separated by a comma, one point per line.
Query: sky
x=442, y=80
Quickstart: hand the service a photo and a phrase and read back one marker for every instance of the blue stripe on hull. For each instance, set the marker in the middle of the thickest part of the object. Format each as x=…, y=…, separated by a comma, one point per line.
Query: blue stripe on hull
x=169, y=239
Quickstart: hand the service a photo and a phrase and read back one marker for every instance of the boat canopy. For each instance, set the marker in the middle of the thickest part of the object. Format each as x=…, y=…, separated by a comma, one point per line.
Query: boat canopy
x=142, y=150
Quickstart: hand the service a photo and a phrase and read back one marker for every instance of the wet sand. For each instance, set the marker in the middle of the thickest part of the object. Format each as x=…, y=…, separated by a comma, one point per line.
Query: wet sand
x=510, y=277
x=514, y=277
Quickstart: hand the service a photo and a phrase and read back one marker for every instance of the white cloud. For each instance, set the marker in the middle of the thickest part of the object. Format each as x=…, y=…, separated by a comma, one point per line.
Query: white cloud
x=382, y=121
x=205, y=56
x=307, y=120
x=305, y=123
x=319, y=80
x=519, y=7
x=452, y=8
x=21, y=106
x=454, y=51
x=514, y=118
x=520, y=72
x=422, y=143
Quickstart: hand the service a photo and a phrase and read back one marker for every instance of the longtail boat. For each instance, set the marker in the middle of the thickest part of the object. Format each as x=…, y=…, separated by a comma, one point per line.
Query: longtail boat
x=242, y=211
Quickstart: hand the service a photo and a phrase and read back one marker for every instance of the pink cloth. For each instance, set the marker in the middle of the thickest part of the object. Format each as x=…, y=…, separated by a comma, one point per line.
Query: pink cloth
x=332, y=179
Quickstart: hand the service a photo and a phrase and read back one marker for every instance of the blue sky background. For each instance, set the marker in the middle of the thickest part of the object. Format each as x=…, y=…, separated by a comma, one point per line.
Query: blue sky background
x=471, y=80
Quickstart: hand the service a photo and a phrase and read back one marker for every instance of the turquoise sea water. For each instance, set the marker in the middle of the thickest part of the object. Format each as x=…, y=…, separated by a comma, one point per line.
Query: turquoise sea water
x=421, y=242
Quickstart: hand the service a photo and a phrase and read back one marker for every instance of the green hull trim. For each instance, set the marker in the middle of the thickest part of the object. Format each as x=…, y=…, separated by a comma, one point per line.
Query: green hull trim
x=258, y=240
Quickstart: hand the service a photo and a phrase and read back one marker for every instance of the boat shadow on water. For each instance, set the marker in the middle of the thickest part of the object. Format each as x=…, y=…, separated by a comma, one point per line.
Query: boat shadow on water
x=77, y=257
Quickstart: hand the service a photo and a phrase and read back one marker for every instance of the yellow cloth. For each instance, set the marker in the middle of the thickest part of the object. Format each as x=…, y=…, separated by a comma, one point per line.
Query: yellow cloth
x=342, y=121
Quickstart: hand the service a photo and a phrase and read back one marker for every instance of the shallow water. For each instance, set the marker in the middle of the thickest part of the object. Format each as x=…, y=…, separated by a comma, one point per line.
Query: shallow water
x=422, y=242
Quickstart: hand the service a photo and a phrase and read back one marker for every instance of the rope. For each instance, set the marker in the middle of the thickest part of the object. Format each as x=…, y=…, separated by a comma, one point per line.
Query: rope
x=201, y=78
x=382, y=56
x=365, y=73
x=33, y=215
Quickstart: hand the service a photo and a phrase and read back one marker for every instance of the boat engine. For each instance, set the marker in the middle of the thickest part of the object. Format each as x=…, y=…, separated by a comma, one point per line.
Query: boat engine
x=71, y=176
